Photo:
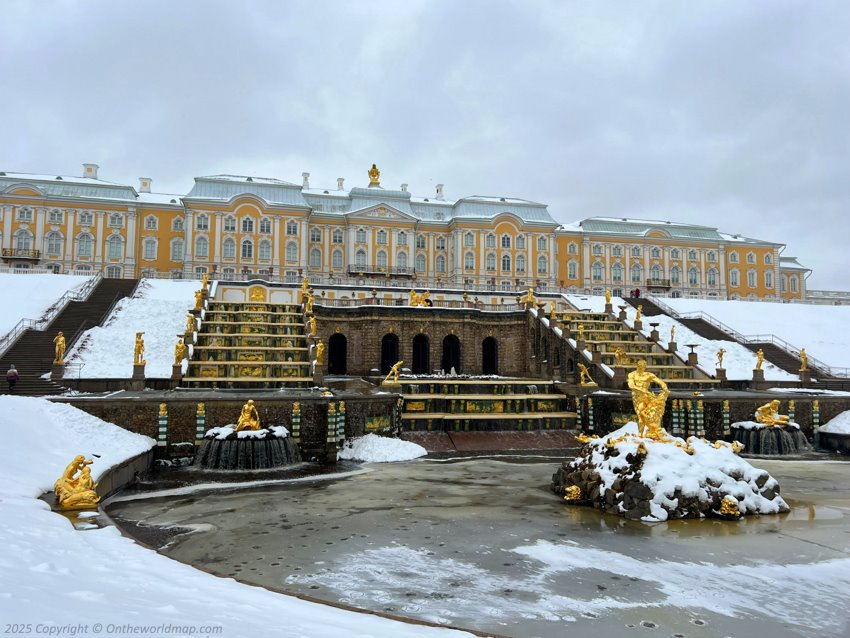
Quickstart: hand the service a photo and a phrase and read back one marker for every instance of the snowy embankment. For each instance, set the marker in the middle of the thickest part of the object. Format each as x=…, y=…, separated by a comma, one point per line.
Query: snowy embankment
x=821, y=330
x=31, y=296
x=840, y=424
x=159, y=310
x=380, y=449
x=738, y=360
x=54, y=575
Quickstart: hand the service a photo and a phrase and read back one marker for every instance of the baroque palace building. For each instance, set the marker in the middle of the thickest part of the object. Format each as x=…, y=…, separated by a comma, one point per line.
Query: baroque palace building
x=235, y=227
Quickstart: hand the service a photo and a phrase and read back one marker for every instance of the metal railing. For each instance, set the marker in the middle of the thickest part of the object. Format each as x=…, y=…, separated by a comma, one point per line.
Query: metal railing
x=40, y=324
x=658, y=283
x=401, y=302
x=373, y=269
x=22, y=253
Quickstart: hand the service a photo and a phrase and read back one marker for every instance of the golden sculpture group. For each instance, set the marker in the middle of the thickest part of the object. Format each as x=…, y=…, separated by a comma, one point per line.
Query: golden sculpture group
x=75, y=489
x=648, y=406
x=418, y=300
x=249, y=419
x=768, y=415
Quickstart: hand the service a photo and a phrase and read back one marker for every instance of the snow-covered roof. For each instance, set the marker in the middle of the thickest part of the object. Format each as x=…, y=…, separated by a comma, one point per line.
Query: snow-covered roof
x=226, y=187
x=169, y=199
x=791, y=263
x=68, y=186
x=640, y=227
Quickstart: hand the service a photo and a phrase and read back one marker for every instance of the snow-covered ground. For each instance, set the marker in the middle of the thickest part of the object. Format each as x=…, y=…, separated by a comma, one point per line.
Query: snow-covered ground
x=53, y=576
x=380, y=449
x=31, y=296
x=821, y=330
x=159, y=310
x=840, y=424
x=738, y=360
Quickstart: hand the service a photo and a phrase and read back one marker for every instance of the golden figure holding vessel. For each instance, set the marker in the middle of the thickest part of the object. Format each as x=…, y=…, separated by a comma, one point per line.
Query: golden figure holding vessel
x=199, y=299
x=320, y=353
x=804, y=360
x=59, y=342
x=179, y=352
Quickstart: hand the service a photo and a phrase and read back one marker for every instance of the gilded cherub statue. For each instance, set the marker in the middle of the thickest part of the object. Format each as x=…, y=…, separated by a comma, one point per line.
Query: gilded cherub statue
x=720, y=354
x=179, y=352
x=639, y=315
x=804, y=360
x=311, y=322
x=551, y=311
x=392, y=377
x=529, y=297
x=248, y=419
x=581, y=332
x=139, y=350
x=199, y=299
x=59, y=341
x=585, y=378
x=374, y=176
x=648, y=406
x=768, y=414
x=320, y=353
x=759, y=359
x=76, y=492
x=423, y=299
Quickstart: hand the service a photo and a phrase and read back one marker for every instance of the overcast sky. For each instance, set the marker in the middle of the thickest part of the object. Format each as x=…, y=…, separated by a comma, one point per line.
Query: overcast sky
x=730, y=114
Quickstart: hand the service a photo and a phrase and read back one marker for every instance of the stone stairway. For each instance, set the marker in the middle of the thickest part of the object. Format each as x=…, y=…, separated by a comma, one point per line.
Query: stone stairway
x=777, y=356
x=649, y=308
x=250, y=345
x=705, y=329
x=33, y=352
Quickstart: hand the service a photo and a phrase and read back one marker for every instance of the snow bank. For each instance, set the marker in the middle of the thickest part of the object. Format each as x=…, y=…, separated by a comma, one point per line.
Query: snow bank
x=380, y=449
x=838, y=425
x=55, y=576
x=31, y=296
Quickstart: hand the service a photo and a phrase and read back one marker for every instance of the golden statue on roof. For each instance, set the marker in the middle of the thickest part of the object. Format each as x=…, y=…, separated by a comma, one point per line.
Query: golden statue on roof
x=374, y=176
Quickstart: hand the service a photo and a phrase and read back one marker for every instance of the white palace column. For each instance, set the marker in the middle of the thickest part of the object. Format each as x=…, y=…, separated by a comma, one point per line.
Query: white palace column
x=189, y=242
x=218, y=219
x=7, y=225
x=349, y=249
x=40, y=215
x=302, y=258
x=130, y=253
x=276, y=246
x=70, y=215
x=98, y=239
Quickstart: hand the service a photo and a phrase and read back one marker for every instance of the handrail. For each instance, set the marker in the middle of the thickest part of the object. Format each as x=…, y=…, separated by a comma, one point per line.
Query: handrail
x=400, y=302
x=41, y=324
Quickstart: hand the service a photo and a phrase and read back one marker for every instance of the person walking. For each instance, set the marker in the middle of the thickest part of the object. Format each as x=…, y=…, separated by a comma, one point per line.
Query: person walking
x=12, y=377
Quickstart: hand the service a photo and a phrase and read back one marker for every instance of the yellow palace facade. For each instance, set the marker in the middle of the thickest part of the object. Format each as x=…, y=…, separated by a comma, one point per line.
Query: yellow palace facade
x=235, y=227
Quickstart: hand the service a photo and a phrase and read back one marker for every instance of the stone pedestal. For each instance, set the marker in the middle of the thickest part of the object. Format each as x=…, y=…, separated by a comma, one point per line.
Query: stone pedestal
x=138, y=379
x=318, y=377
x=758, y=376
x=720, y=375
x=189, y=339
x=805, y=378
x=596, y=356
x=619, y=379
x=638, y=325
x=622, y=316
x=57, y=372
x=177, y=372
x=693, y=359
x=653, y=336
x=672, y=346
x=609, y=309
x=581, y=344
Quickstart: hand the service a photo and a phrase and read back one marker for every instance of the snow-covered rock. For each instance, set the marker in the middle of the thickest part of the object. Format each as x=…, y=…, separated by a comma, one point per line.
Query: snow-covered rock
x=380, y=449
x=840, y=424
x=639, y=478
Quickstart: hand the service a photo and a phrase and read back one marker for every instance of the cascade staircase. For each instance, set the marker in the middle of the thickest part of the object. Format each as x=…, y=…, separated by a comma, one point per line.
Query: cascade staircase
x=34, y=351
x=777, y=356
x=445, y=404
x=605, y=334
x=705, y=329
x=250, y=345
x=649, y=308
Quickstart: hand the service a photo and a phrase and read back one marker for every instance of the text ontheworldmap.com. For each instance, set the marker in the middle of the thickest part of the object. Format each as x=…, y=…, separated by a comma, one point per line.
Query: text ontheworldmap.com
x=110, y=629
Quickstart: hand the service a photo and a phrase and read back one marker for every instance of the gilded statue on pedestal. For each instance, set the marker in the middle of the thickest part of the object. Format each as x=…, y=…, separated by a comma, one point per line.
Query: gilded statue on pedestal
x=179, y=352
x=585, y=378
x=191, y=325
x=414, y=299
x=619, y=357
x=139, y=350
x=768, y=414
x=59, y=341
x=759, y=359
x=311, y=323
x=305, y=284
x=551, y=311
x=392, y=377
x=374, y=176
x=648, y=406
x=607, y=296
x=199, y=299
x=639, y=314
x=581, y=332
x=249, y=419
x=529, y=297
x=205, y=283
x=76, y=492
x=672, y=334
x=804, y=359
x=320, y=353
x=308, y=303
x=720, y=354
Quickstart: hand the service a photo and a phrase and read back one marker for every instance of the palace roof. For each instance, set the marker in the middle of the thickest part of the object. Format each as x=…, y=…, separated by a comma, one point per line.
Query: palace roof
x=65, y=186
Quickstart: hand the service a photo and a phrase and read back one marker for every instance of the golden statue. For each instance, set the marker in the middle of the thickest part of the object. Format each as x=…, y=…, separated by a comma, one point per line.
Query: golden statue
x=392, y=377
x=311, y=322
x=423, y=299
x=308, y=303
x=414, y=300
x=729, y=506
x=572, y=493
x=607, y=296
x=768, y=414
x=649, y=407
x=76, y=492
x=205, y=283
x=759, y=359
x=639, y=314
x=619, y=356
x=249, y=419
x=199, y=299
x=163, y=409
x=720, y=354
x=551, y=311
x=804, y=359
x=305, y=284
x=179, y=352
x=529, y=297
x=201, y=409
x=672, y=334
x=585, y=378
x=191, y=324
x=374, y=176
x=320, y=353
x=139, y=350
x=580, y=332
x=59, y=341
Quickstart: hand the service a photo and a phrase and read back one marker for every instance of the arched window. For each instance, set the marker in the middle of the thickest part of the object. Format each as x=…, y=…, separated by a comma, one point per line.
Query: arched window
x=711, y=276
x=151, y=222
x=54, y=243
x=291, y=251
x=315, y=235
x=520, y=242
x=734, y=278
x=402, y=238
x=336, y=260
x=675, y=254
x=751, y=258
x=401, y=260
x=265, y=250
x=247, y=249
x=491, y=262
x=468, y=261
x=572, y=270
x=520, y=263
x=421, y=241
x=115, y=247
x=360, y=236
x=292, y=228
x=176, y=249
x=440, y=242
x=506, y=263
x=617, y=251
x=768, y=279
x=116, y=221
x=469, y=239
x=635, y=251
x=617, y=273
x=381, y=259
x=751, y=278
x=794, y=283
x=315, y=258
x=336, y=236
x=637, y=273
x=693, y=276
x=202, y=247
x=768, y=258
x=420, y=263
x=229, y=248
x=655, y=252
x=506, y=241
x=675, y=275
x=783, y=283
x=711, y=256
x=597, y=249
x=542, y=243
x=692, y=255
x=381, y=237
x=360, y=258
x=230, y=224
x=542, y=265
x=572, y=249
x=655, y=272
x=202, y=222
x=596, y=271
x=490, y=241
x=247, y=224
x=266, y=226
x=441, y=264
x=149, y=248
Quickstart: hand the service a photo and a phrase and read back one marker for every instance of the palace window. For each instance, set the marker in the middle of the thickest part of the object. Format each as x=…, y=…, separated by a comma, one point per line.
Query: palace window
x=176, y=249
x=440, y=243
x=247, y=249
x=768, y=258
x=655, y=272
x=751, y=278
x=360, y=258
x=247, y=225
x=336, y=260
x=228, y=248
x=54, y=216
x=116, y=221
x=336, y=236
x=692, y=255
x=229, y=273
x=149, y=248
x=506, y=241
x=693, y=276
x=596, y=271
x=25, y=214
x=202, y=222
x=520, y=242
x=520, y=263
x=490, y=242
x=85, y=243
x=542, y=243
x=86, y=219
x=768, y=279
x=401, y=260
x=151, y=222
x=617, y=251
x=712, y=256
x=712, y=277
x=572, y=249
x=572, y=270
x=291, y=251
x=360, y=236
x=469, y=239
x=202, y=247
x=783, y=283
x=793, y=283
x=441, y=264
x=230, y=224
x=491, y=262
x=597, y=249
x=265, y=250
x=177, y=224
x=381, y=237
x=381, y=259
x=617, y=273
x=200, y=271
x=751, y=258
x=421, y=241
x=506, y=263
x=54, y=243
x=734, y=278
x=637, y=273
x=315, y=235
x=675, y=275
x=420, y=263
x=505, y=286
x=733, y=257
x=292, y=228
x=675, y=254
x=655, y=252
x=115, y=247
x=469, y=261
x=635, y=251
x=402, y=238
x=315, y=258
x=542, y=265
x=265, y=226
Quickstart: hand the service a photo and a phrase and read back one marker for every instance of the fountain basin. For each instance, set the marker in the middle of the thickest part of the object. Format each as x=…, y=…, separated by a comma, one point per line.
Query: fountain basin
x=777, y=440
x=263, y=449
